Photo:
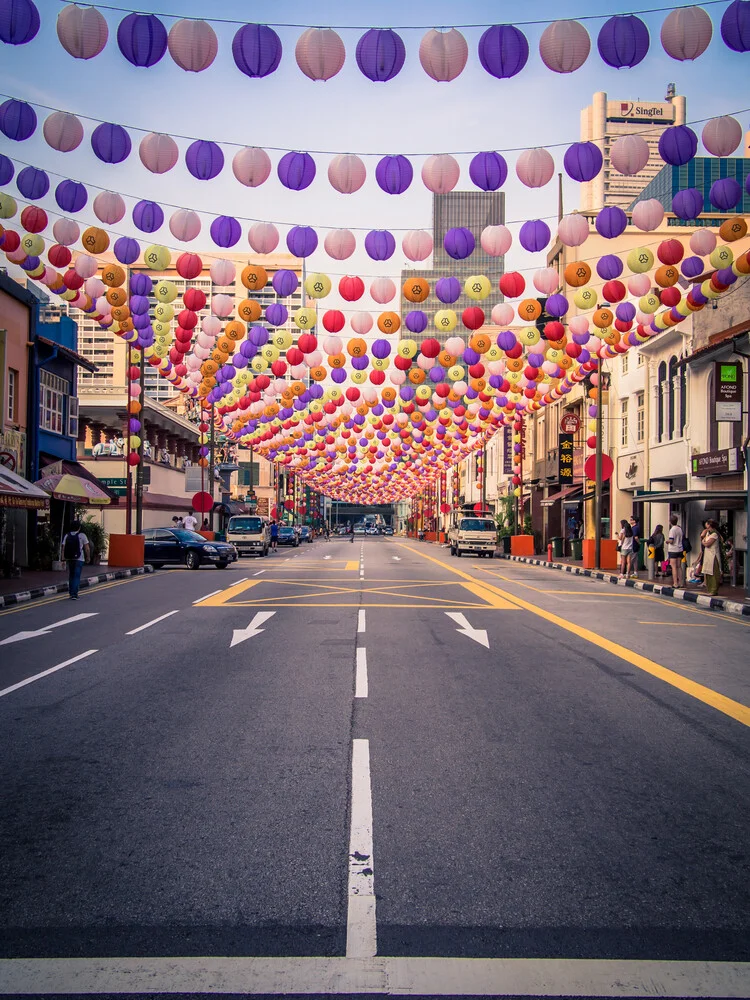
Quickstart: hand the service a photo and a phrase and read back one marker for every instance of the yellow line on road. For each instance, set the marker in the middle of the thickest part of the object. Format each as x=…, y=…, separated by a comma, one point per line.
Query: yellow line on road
x=40, y=602
x=727, y=706
x=224, y=596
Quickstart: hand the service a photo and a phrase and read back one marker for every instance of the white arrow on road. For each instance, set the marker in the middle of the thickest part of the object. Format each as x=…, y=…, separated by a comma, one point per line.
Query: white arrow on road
x=397, y=558
x=240, y=634
x=20, y=636
x=477, y=634
x=326, y=557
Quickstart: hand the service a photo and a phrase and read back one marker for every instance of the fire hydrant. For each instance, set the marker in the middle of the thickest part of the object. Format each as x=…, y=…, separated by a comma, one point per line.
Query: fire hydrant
x=549, y=552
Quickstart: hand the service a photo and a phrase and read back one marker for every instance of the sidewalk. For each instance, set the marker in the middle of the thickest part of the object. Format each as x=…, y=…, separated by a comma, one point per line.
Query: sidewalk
x=33, y=584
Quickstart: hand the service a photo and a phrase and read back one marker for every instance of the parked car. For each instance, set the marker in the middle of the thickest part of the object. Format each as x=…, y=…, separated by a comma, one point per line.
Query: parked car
x=178, y=545
x=341, y=530
x=387, y=530
x=372, y=529
x=288, y=535
x=306, y=533
x=359, y=529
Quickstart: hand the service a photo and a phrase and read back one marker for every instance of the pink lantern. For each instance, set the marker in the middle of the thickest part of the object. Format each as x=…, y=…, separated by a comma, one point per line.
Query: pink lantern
x=382, y=290
x=546, y=280
x=440, y=173
x=66, y=232
x=333, y=345
x=721, y=136
x=629, y=154
x=340, y=244
x=361, y=323
x=263, y=237
x=686, y=32
x=222, y=273
x=455, y=346
x=535, y=167
x=109, y=207
x=573, y=230
x=158, y=152
x=702, y=242
x=417, y=245
x=502, y=314
x=86, y=266
x=578, y=324
x=62, y=131
x=251, y=166
x=192, y=45
x=443, y=54
x=648, y=215
x=94, y=287
x=346, y=173
x=211, y=328
x=184, y=225
x=320, y=53
x=496, y=240
x=222, y=306
x=82, y=31
x=564, y=46
x=639, y=284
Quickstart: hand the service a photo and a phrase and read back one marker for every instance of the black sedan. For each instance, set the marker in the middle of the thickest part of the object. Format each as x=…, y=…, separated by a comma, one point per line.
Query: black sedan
x=288, y=535
x=178, y=545
x=306, y=533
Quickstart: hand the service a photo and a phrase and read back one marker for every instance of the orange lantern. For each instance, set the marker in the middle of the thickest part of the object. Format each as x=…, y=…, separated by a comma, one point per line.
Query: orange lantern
x=416, y=289
x=417, y=376
x=666, y=276
x=445, y=359
x=481, y=343
x=116, y=296
x=529, y=311
x=249, y=311
x=234, y=331
x=254, y=277
x=733, y=229
x=318, y=373
x=603, y=318
x=388, y=322
x=357, y=347
x=113, y=275
x=336, y=360
x=209, y=367
x=577, y=274
x=121, y=313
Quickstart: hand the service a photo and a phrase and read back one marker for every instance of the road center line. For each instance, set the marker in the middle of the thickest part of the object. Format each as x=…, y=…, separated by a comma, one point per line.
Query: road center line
x=46, y=673
x=206, y=596
x=361, y=927
x=154, y=622
x=361, y=624
x=242, y=579
x=360, y=685
x=259, y=572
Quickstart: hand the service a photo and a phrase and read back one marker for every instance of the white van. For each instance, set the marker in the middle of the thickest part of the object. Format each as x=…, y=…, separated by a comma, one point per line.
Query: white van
x=473, y=533
x=250, y=534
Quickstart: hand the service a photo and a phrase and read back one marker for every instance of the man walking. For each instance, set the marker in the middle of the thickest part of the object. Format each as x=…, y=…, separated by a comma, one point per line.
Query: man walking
x=190, y=522
x=75, y=549
x=675, y=549
x=635, y=553
x=274, y=536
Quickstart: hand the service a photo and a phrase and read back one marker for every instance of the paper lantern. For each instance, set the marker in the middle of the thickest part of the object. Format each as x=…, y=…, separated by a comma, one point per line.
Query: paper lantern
x=443, y=54
x=380, y=244
x=725, y=194
x=7, y=170
x=502, y=314
x=351, y=287
x=488, y=171
x=394, y=174
x=583, y=161
x=204, y=160
x=256, y=49
x=629, y=154
x=126, y=250
x=302, y=241
x=251, y=166
x=110, y=143
x=223, y=272
x=496, y=240
x=346, y=173
x=503, y=51
x=448, y=290
x=535, y=167
x=459, y=243
x=71, y=196
x=184, y=225
x=611, y=222
x=477, y=286
x=32, y=183
x=142, y=39
x=320, y=53
x=34, y=219
x=225, y=231
x=19, y=22
x=546, y=280
x=678, y=145
x=534, y=235
x=735, y=26
x=66, y=232
x=721, y=136
x=573, y=230
x=263, y=237
x=382, y=290
x=192, y=45
x=648, y=215
x=109, y=207
x=296, y=170
x=417, y=245
x=189, y=266
x=62, y=131
x=156, y=257
x=440, y=173
x=82, y=31
x=340, y=244
x=703, y=242
x=623, y=41
x=686, y=32
x=380, y=54
x=564, y=46
x=158, y=152
x=17, y=120
x=361, y=323
x=688, y=204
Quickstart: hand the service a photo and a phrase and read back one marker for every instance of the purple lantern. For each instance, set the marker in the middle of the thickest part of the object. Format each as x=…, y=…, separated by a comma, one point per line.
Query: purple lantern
x=503, y=51
x=735, y=26
x=7, y=170
x=534, y=235
x=225, y=231
x=557, y=305
x=415, y=321
x=204, y=160
x=126, y=250
x=258, y=335
x=488, y=171
x=688, y=204
x=148, y=216
x=677, y=145
x=381, y=349
x=71, y=196
x=302, y=241
x=296, y=171
x=276, y=314
x=583, y=161
x=380, y=244
x=609, y=267
x=623, y=41
x=459, y=243
x=19, y=22
x=111, y=143
x=142, y=39
x=257, y=50
x=611, y=222
x=17, y=120
x=625, y=312
x=725, y=275
x=380, y=54
x=339, y=375
x=140, y=284
x=394, y=174
x=448, y=290
x=285, y=283
x=725, y=194
x=691, y=267
x=32, y=183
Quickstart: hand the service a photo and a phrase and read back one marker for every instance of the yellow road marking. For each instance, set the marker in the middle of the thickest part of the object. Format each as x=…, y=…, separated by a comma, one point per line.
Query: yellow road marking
x=492, y=599
x=41, y=601
x=218, y=600
x=734, y=709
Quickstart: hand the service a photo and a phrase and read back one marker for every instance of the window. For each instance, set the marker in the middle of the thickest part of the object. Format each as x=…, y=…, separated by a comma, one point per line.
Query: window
x=640, y=359
x=624, y=424
x=683, y=399
x=73, y=417
x=53, y=391
x=660, y=390
x=671, y=392
x=625, y=360
x=640, y=416
x=13, y=385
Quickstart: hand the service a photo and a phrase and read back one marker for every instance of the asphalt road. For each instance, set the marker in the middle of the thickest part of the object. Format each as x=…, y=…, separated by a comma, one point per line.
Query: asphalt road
x=373, y=749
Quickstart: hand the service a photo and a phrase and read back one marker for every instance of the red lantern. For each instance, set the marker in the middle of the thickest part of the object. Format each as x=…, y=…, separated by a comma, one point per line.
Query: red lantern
x=33, y=219
x=352, y=394
x=295, y=356
x=512, y=284
x=670, y=296
x=73, y=280
x=58, y=255
x=333, y=320
x=194, y=299
x=189, y=265
x=187, y=319
x=554, y=330
x=278, y=367
x=472, y=318
x=351, y=287
x=614, y=291
x=133, y=458
x=11, y=241
x=670, y=251
x=307, y=343
x=430, y=347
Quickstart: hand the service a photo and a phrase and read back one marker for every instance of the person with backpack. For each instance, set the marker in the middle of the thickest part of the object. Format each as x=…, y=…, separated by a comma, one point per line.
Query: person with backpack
x=626, y=547
x=634, y=553
x=75, y=550
x=274, y=535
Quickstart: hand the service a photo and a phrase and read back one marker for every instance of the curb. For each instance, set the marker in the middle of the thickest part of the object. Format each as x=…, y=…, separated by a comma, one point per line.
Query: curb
x=702, y=600
x=62, y=588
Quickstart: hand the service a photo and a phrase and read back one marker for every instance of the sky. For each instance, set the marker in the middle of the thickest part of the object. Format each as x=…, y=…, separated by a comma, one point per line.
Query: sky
x=412, y=114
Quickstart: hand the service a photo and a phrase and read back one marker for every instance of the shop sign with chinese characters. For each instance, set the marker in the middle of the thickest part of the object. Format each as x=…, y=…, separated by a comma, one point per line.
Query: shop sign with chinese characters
x=565, y=456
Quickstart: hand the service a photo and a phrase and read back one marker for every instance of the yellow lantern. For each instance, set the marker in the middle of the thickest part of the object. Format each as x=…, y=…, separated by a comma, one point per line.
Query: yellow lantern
x=165, y=291
x=585, y=298
x=156, y=257
x=304, y=319
x=317, y=285
x=445, y=319
x=640, y=260
x=529, y=336
x=32, y=243
x=282, y=339
x=649, y=303
x=721, y=257
x=477, y=287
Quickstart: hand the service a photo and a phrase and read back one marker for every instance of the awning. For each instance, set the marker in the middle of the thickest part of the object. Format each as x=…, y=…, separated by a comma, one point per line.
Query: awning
x=561, y=495
x=233, y=507
x=15, y=491
x=63, y=466
x=691, y=496
x=728, y=340
x=725, y=503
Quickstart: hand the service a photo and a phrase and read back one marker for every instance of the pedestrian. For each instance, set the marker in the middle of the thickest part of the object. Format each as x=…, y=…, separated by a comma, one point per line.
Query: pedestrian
x=712, y=562
x=675, y=549
x=656, y=541
x=274, y=536
x=177, y=522
x=327, y=531
x=625, y=547
x=190, y=522
x=636, y=529
x=75, y=548
x=205, y=525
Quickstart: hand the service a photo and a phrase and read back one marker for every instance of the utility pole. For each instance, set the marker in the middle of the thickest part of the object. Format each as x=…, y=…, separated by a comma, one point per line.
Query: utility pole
x=211, y=463
x=598, y=483
x=128, y=466
x=484, y=473
x=139, y=467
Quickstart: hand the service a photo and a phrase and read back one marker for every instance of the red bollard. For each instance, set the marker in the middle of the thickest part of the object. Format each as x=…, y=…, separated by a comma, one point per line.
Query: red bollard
x=549, y=552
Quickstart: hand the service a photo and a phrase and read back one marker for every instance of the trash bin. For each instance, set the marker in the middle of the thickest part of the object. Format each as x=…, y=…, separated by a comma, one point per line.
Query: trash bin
x=576, y=548
x=220, y=536
x=504, y=545
x=557, y=547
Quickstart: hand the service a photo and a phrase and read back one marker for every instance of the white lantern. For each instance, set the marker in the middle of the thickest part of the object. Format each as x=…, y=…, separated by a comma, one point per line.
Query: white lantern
x=564, y=46
x=703, y=242
x=62, y=131
x=192, y=45
x=535, y=167
x=639, y=284
x=340, y=244
x=686, y=32
x=82, y=31
x=721, y=136
x=184, y=225
x=440, y=173
x=573, y=230
x=251, y=166
x=263, y=237
x=502, y=314
x=417, y=244
x=648, y=215
x=320, y=53
x=629, y=154
x=66, y=232
x=346, y=173
x=158, y=152
x=223, y=272
x=222, y=305
x=103, y=306
x=382, y=290
x=361, y=323
x=443, y=54
x=332, y=345
x=455, y=346
x=109, y=207
x=496, y=240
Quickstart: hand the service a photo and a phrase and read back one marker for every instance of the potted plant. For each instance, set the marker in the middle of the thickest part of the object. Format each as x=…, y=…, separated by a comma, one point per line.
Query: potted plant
x=97, y=537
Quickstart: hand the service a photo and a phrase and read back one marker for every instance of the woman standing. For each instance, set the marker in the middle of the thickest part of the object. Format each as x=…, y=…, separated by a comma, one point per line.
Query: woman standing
x=657, y=542
x=711, y=562
x=626, y=547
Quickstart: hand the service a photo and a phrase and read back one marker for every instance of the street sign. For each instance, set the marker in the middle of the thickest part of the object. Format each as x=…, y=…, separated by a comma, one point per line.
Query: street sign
x=203, y=502
x=570, y=423
x=717, y=463
x=565, y=459
x=728, y=390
